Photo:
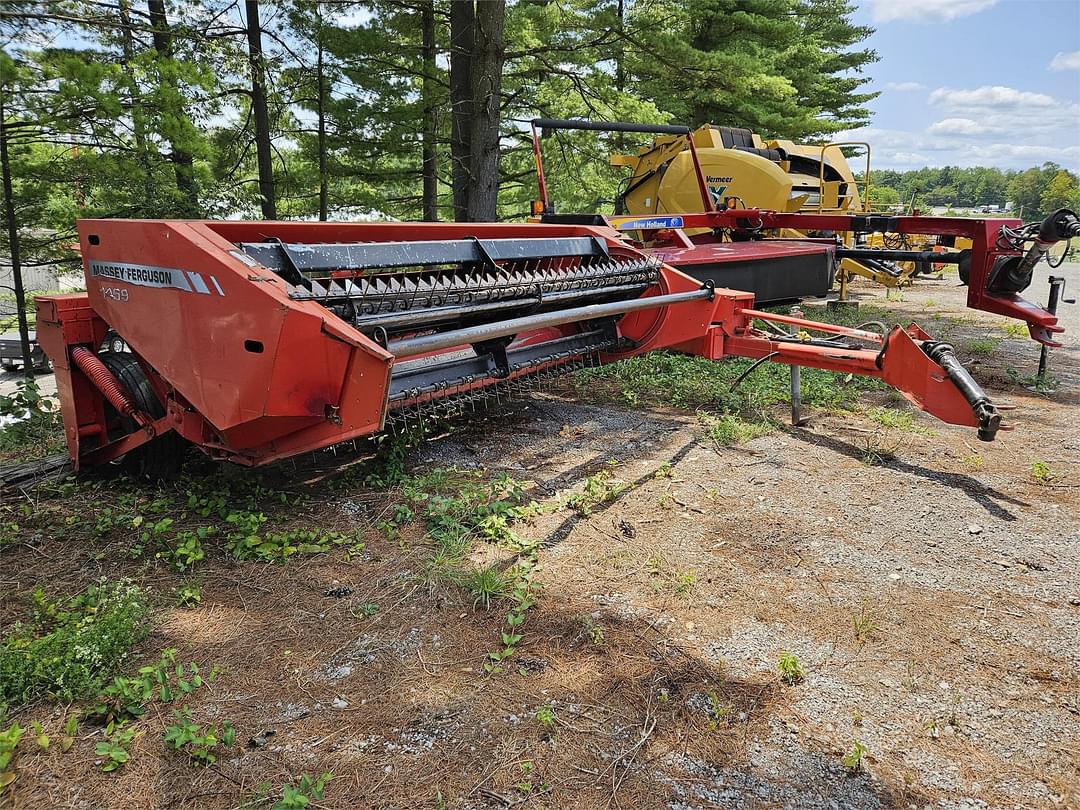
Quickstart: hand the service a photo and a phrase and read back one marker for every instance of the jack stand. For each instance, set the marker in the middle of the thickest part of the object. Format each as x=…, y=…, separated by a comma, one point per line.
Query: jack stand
x=842, y=302
x=1057, y=289
x=797, y=418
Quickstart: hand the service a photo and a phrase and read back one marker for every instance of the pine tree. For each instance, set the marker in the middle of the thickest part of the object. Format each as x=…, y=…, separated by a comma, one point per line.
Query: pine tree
x=826, y=74
x=779, y=67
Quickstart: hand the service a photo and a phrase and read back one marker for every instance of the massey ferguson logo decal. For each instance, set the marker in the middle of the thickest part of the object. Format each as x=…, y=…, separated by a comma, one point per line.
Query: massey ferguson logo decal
x=148, y=275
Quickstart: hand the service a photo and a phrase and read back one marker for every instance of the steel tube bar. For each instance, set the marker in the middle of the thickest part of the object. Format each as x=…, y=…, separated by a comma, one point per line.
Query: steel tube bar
x=1057, y=283
x=610, y=126
x=817, y=327
x=410, y=347
x=952, y=257
x=796, y=396
x=418, y=317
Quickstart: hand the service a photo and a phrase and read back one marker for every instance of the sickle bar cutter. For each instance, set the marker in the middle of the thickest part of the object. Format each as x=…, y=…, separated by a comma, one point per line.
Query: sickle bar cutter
x=257, y=341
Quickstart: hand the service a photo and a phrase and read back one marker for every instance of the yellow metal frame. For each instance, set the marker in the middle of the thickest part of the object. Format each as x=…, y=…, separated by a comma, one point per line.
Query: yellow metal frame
x=866, y=174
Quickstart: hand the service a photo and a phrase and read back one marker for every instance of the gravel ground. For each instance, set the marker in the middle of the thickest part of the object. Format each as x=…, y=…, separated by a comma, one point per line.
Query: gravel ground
x=962, y=568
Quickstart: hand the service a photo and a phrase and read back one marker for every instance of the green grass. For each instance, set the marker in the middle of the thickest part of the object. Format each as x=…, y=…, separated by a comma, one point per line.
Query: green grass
x=864, y=624
x=459, y=509
x=983, y=346
x=486, y=585
x=728, y=429
x=667, y=378
x=791, y=669
x=39, y=435
x=66, y=648
x=598, y=489
x=893, y=418
x=1040, y=383
x=855, y=759
x=1042, y=472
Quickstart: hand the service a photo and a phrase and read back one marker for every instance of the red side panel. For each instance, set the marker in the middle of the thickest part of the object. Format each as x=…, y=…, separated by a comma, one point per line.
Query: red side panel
x=63, y=321
x=224, y=335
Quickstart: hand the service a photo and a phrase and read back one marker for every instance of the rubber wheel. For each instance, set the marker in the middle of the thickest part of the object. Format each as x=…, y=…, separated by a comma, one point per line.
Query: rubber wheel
x=964, y=266
x=161, y=457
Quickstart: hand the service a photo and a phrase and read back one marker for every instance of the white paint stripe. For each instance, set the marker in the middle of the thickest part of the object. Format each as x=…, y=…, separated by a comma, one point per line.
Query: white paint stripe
x=197, y=281
x=217, y=286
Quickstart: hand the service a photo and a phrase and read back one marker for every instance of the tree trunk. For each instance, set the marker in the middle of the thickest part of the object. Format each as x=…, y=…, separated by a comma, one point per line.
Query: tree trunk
x=485, y=74
x=183, y=163
x=461, y=103
x=261, y=114
x=324, y=188
x=13, y=241
x=430, y=135
x=620, y=53
x=138, y=116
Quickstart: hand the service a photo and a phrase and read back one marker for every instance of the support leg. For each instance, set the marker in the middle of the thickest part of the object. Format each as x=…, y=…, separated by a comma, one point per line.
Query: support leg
x=1056, y=285
x=796, y=397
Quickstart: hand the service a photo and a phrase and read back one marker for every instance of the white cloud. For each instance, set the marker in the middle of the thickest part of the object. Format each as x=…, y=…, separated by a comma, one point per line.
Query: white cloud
x=957, y=126
x=1066, y=61
x=990, y=97
x=904, y=87
x=925, y=10
x=894, y=140
x=907, y=160
x=903, y=149
x=1018, y=115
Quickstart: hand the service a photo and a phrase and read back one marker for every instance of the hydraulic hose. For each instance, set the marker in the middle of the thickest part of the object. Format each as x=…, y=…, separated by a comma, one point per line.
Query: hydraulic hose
x=945, y=356
x=1060, y=225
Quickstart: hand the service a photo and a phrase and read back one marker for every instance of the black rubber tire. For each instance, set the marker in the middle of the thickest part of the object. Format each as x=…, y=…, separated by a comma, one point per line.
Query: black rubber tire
x=963, y=267
x=161, y=457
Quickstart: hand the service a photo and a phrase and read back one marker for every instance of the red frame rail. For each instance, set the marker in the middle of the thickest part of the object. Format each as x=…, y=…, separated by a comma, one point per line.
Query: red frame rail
x=983, y=233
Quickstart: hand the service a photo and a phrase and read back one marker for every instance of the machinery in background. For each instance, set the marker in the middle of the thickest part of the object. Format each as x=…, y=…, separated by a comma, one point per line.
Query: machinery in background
x=869, y=241
x=740, y=168
x=257, y=341
x=11, y=352
x=776, y=175
x=775, y=273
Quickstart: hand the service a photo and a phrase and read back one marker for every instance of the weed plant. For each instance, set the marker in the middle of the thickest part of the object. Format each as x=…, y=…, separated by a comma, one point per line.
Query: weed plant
x=67, y=647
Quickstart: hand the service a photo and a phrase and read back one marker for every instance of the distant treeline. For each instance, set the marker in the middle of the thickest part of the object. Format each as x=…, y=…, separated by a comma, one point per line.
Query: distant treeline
x=1032, y=193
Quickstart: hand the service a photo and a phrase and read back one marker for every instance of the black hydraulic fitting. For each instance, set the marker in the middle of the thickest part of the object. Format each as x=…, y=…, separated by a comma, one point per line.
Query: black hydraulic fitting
x=1013, y=273
x=1062, y=224
x=945, y=356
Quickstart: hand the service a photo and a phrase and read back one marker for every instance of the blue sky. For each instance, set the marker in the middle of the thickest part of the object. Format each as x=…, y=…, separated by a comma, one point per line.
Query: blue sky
x=974, y=82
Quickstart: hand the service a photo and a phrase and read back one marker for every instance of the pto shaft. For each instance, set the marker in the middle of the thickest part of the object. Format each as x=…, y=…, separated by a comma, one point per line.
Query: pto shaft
x=989, y=419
